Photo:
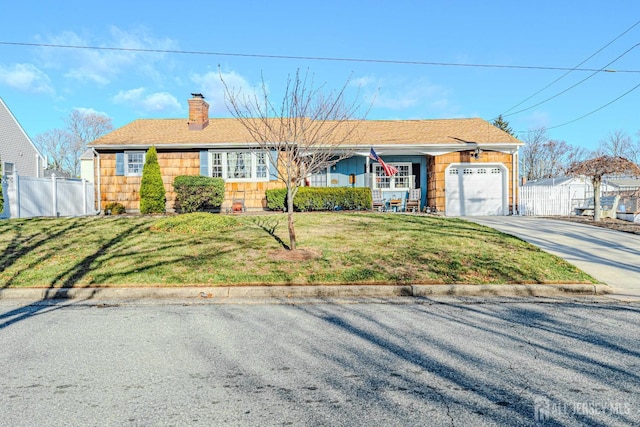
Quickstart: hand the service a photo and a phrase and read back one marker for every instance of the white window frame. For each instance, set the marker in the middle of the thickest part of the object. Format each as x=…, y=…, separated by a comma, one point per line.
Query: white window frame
x=222, y=156
x=378, y=175
x=11, y=168
x=127, y=171
x=321, y=178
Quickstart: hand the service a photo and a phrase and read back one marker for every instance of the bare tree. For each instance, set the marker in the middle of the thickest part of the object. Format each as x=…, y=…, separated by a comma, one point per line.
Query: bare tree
x=83, y=128
x=542, y=157
x=304, y=133
x=532, y=153
x=54, y=144
x=595, y=169
x=618, y=144
x=63, y=147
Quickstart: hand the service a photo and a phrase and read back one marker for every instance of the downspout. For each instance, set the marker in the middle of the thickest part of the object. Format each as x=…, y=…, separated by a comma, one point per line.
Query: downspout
x=97, y=156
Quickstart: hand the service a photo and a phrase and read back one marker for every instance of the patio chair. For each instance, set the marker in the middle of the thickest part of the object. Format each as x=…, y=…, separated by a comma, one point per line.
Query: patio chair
x=379, y=203
x=413, y=202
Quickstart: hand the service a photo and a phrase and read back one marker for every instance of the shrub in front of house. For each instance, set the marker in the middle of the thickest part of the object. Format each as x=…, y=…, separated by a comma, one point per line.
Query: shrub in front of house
x=114, y=208
x=198, y=193
x=152, y=192
x=322, y=199
x=276, y=199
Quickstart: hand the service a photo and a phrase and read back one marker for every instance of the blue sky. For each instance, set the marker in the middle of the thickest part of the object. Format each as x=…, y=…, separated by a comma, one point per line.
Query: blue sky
x=43, y=85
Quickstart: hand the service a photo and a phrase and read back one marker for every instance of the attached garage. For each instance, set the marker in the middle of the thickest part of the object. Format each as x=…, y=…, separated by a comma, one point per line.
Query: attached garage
x=476, y=189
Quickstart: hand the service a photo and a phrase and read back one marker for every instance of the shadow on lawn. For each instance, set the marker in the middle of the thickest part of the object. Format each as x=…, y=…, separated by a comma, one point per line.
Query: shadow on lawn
x=22, y=245
x=270, y=225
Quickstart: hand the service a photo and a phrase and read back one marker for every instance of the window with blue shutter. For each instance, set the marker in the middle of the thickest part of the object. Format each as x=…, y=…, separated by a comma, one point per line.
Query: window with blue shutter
x=204, y=163
x=119, y=164
x=273, y=171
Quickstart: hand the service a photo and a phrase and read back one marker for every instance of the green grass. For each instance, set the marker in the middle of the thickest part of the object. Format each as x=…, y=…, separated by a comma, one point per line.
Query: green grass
x=208, y=249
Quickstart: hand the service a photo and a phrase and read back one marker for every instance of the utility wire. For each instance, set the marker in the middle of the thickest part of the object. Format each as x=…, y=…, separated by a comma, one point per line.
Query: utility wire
x=574, y=85
x=314, y=58
x=597, y=109
x=573, y=69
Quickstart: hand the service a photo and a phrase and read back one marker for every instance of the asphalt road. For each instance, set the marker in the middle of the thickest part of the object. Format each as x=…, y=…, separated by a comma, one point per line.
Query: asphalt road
x=402, y=361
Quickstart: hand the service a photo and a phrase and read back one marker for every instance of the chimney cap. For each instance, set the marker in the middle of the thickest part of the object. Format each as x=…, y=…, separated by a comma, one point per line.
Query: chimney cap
x=197, y=95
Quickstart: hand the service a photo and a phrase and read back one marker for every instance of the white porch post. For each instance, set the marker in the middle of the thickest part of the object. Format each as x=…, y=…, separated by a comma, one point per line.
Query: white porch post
x=366, y=174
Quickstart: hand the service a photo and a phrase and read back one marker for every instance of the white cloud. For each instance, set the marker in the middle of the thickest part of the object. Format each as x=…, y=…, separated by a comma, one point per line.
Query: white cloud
x=102, y=66
x=416, y=97
x=158, y=102
x=90, y=111
x=26, y=77
x=211, y=85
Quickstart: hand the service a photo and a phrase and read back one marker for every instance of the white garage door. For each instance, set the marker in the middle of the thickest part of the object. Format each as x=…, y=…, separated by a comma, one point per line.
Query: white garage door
x=475, y=190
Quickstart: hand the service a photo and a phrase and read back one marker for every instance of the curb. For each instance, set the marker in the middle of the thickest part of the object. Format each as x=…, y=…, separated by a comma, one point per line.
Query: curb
x=340, y=291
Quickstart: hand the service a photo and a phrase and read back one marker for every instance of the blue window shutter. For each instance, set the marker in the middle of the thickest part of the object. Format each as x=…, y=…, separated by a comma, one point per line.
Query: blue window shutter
x=273, y=171
x=120, y=164
x=204, y=163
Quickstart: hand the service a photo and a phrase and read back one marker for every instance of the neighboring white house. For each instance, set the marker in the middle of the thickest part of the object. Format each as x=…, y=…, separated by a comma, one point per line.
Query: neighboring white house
x=17, y=151
x=578, y=187
x=86, y=166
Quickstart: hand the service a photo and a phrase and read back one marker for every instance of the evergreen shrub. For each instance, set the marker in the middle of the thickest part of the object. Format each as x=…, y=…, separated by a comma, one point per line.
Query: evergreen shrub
x=115, y=208
x=322, y=199
x=198, y=193
x=152, y=192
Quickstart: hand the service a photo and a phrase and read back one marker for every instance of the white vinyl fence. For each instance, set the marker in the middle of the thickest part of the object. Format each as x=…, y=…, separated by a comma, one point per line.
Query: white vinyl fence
x=538, y=200
x=26, y=197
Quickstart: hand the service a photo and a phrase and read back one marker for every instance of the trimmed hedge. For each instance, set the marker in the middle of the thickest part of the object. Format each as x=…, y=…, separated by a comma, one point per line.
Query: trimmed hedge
x=321, y=199
x=152, y=192
x=198, y=193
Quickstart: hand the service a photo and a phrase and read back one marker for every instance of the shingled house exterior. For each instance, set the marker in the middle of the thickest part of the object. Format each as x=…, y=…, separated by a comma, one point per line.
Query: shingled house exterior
x=462, y=166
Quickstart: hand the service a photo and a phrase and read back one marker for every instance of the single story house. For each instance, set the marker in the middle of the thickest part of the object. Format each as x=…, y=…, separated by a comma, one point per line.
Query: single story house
x=17, y=151
x=462, y=166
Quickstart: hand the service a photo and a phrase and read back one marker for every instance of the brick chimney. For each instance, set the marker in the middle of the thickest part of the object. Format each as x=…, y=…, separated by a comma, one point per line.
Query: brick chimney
x=198, y=112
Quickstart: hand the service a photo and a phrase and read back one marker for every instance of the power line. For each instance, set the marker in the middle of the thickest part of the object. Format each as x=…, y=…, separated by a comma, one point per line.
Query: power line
x=574, y=85
x=574, y=68
x=313, y=58
x=597, y=109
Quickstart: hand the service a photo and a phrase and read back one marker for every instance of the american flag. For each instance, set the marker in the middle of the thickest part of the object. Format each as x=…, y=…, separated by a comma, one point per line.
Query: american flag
x=388, y=170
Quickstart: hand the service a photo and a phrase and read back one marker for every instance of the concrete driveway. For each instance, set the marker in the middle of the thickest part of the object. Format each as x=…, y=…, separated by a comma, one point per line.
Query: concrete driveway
x=613, y=257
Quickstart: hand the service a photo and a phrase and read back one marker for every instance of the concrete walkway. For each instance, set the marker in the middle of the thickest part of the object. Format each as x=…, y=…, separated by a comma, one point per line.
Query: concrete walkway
x=613, y=257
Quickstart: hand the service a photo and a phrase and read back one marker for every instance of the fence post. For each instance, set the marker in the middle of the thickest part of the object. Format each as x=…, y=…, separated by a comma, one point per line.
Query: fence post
x=54, y=195
x=6, y=209
x=84, y=197
x=16, y=190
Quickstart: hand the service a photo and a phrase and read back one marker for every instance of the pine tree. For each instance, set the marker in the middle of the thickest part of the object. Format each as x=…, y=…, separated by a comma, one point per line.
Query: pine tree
x=152, y=192
x=501, y=123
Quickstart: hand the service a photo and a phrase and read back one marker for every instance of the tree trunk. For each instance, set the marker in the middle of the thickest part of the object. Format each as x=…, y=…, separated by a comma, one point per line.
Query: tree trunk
x=596, y=199
x=292, y=230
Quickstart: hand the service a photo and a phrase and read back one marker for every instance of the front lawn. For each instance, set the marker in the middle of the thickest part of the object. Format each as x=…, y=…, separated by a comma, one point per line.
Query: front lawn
x=335, y=248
